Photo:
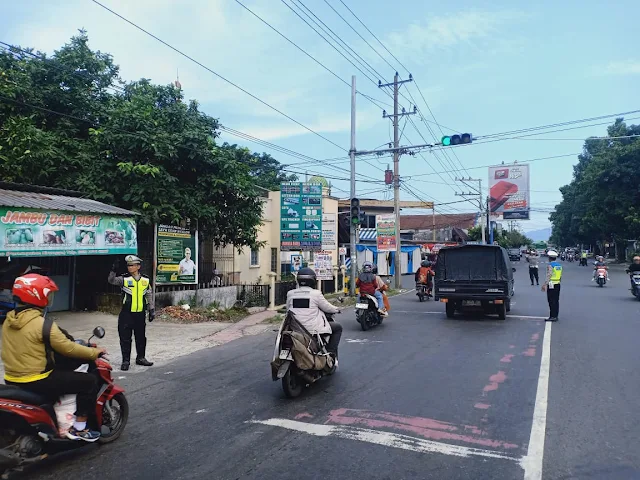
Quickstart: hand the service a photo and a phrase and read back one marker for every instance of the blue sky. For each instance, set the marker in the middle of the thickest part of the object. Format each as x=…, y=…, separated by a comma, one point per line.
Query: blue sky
x=483, y=67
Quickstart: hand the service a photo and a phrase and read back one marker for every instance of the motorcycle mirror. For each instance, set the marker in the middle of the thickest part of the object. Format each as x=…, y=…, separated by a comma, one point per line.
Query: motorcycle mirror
x=98, y=332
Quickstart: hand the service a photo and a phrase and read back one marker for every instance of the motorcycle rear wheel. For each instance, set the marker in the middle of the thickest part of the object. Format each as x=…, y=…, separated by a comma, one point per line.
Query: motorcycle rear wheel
x=363, y=320
x=292, y=384
x=121, y=422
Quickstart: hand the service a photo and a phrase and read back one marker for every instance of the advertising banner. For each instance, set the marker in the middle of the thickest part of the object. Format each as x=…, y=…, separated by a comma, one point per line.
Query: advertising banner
x=40, y=233
x=300, y=216
x=177, y=251
x=323, y=265
x=509, y=191
x=386, y=232
x=329, y=232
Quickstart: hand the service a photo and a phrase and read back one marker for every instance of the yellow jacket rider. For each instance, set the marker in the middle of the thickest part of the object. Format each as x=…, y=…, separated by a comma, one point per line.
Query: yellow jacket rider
x=137, y=299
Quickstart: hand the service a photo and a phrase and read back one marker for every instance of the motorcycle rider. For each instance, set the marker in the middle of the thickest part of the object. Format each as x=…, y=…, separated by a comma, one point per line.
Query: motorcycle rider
x=368, y=285
x=533, y=260
x=423, y=274
x=552, y=285
x=138, y=297
x=309, y=307
x=30, y=365
x=382, y=287
x=598, y=264
x=634, y=267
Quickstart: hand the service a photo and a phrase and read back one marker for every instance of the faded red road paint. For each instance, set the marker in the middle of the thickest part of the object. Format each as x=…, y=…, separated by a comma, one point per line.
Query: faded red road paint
x=494, y=381
x=530, y=352
x=535, y=337
x=512, y=346
x=424, y=427
x=507, y=358
x=482, y=406
x=300, y=416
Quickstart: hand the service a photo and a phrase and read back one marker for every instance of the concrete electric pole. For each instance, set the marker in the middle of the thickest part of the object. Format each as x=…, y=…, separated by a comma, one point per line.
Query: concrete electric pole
x=473, y=194
x=352, y=155
x=396, y=166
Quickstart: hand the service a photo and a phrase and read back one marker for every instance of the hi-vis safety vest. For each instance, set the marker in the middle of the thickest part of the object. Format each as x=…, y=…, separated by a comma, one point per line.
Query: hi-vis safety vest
x=584, y=254
x=134, y=292
x=556, y=272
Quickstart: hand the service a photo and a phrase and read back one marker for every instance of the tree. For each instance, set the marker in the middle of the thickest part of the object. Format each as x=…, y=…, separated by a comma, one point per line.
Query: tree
x=68, y=121
x=475, y=233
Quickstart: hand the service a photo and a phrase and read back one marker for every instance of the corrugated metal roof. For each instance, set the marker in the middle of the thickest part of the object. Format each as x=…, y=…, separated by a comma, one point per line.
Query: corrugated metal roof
x=45, y=201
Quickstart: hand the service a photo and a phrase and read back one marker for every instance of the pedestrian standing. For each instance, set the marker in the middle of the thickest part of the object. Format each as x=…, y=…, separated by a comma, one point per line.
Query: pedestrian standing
x=136, y=289
x=552, y=285
x=533, y=261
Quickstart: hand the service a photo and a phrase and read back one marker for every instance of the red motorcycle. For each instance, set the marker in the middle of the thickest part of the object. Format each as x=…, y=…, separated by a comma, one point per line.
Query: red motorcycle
x=29, y=427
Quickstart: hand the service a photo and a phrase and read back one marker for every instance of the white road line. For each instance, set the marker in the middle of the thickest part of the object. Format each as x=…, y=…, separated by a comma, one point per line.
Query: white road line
x=532, y=462
x=387, y=439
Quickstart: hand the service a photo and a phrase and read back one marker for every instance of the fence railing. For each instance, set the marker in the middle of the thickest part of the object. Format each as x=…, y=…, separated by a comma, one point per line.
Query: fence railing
x=253, y=295
x=281, y=290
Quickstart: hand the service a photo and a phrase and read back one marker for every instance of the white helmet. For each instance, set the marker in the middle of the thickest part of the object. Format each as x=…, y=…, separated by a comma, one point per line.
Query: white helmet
x=552, y=253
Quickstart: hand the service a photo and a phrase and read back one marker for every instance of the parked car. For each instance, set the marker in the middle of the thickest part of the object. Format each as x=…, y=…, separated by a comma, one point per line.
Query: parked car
x=474, y=276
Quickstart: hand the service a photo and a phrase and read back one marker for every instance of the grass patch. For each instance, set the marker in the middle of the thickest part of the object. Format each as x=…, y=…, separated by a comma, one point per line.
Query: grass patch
x=177, y=314
x=276, y=319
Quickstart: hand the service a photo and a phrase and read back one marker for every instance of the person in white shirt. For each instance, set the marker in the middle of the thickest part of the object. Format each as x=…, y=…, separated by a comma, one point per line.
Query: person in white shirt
x=187, y=266
x=310, y=308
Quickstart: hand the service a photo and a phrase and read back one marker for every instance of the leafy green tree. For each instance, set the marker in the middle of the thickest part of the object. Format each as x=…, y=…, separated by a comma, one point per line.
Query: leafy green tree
x=68, y=121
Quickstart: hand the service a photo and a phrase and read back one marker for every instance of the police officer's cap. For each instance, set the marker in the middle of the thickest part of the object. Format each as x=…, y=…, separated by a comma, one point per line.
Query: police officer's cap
x=132, y=260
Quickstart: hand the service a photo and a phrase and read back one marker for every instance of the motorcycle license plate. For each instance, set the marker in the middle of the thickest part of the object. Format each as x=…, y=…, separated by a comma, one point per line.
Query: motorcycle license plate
x=471, y=303
x=362, y=306
x=285, y=354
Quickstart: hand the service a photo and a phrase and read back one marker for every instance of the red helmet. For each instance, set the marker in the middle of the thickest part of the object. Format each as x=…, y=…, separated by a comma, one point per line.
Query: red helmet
x=34, y=289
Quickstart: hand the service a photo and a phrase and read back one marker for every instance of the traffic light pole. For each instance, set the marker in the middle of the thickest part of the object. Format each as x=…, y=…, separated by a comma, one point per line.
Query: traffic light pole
x=352, y=155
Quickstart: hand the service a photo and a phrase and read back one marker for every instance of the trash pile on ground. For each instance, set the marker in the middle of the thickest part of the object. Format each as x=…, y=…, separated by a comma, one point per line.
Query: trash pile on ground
x=186, y=314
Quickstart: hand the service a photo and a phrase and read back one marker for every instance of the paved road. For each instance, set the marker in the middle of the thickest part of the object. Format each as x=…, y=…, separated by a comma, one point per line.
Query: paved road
x=419, y=397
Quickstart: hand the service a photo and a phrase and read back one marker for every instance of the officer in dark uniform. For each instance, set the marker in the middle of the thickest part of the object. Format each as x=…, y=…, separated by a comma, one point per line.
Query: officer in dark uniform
x=137, y=298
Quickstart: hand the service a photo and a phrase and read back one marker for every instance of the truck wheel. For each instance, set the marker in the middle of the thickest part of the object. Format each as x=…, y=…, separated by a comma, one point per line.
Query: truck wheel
x=508, y=305
x=450, y=309
x=502, y=311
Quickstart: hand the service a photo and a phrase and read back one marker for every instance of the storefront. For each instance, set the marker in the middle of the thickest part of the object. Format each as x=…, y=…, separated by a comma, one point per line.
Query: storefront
x=70, y=238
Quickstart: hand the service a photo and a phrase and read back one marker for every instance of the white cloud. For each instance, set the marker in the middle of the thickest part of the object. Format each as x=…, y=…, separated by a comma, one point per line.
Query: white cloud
x=627, y=67
x=444, y=32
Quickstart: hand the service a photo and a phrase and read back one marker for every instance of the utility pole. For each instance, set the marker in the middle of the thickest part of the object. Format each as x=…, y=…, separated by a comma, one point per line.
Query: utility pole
x=352, y=155
x=472, y=194
x=396, y=167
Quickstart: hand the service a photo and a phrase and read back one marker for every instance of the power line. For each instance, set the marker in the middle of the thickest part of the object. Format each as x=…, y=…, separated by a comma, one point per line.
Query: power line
x=180, y=52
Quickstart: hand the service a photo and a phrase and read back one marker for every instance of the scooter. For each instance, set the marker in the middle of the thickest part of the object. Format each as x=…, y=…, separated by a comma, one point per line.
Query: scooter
x=422, y=291
x=635, y=283
x=367, y=313
x=601, y=276
x=29, y=426
x=299, y=358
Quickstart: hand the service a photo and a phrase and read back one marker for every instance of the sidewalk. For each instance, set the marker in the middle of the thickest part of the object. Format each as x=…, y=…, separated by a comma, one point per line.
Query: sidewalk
x=165, y=341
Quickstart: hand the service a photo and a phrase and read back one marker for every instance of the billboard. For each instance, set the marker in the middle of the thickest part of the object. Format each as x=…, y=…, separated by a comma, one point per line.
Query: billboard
x=509, y=191
x=177, y=255
x=329, y=232
x=40, y=233
x=300, y=216
x=323, y=265
x=386, y=232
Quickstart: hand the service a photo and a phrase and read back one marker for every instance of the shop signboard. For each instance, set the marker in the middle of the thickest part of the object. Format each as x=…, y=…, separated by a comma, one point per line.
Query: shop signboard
x=300, y=216
x=51, y=233
x=386, y=232
x=329, y=232
x=509, y=191
x=177, y=253
x=323, y=265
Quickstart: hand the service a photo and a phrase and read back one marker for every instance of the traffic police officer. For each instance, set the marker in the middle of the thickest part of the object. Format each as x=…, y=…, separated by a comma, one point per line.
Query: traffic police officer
x=137, y=298
x=552, y=285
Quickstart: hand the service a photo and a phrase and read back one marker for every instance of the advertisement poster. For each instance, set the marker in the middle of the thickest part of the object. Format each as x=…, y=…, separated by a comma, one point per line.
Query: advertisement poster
x=177, y=255
x=296, y=263
x=386, y=232
x=329, y=232
x=300, y=217
x=39, y=233
x=323, y=266
x=509, y=191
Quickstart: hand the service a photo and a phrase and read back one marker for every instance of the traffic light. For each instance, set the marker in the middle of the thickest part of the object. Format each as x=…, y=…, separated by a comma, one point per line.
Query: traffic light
x=363, y=217
x=355, y=212
x=457, y=139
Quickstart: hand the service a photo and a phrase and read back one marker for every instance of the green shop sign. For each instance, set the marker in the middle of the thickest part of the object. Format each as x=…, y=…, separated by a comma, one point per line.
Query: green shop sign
x=40, y=233
x=300, y=216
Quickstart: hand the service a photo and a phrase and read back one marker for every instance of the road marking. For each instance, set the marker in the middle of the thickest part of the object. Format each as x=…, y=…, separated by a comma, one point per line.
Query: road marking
x=386, y=439
x=528, y=317
x=204, y=410
x=363, y=340
x=532, y=462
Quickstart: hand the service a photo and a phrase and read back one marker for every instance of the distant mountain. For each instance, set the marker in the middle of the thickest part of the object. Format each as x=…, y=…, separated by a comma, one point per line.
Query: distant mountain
x=539, y=235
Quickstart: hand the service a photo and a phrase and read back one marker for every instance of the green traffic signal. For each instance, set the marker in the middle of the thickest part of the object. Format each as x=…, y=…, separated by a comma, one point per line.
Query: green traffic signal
x=456, y=139
x=446, y=141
